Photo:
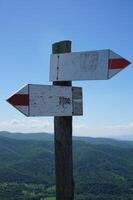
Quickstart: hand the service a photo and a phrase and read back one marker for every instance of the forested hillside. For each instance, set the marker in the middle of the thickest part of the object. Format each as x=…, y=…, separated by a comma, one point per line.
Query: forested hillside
x=103, y=168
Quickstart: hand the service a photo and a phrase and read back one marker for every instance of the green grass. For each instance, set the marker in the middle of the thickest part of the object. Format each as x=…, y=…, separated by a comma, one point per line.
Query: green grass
x=51, y=189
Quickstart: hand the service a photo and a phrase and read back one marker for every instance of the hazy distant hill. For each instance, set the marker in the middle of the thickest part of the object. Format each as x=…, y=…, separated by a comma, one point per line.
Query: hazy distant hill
x=27, y=136
x=103, y=168
x=50, y=137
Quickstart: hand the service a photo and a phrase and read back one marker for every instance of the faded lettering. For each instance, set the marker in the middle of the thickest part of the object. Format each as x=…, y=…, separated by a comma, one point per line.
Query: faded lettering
x=89, y=62
x=64, y=100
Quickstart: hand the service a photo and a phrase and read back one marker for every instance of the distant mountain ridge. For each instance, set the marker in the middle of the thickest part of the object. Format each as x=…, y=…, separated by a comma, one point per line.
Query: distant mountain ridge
x=27, y=136
x=42, y=136
x=103, y=168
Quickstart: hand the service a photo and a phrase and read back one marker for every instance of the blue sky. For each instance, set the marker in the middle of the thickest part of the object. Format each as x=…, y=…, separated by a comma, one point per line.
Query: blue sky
x=27, y=30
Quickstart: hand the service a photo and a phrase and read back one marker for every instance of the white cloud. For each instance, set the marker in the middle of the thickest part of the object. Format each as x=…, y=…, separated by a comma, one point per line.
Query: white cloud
x=104, y=130
x=79, y=129
x=27, y=125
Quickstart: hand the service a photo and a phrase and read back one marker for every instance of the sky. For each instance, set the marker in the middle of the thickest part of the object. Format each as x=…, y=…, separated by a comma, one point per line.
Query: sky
x=28, y=28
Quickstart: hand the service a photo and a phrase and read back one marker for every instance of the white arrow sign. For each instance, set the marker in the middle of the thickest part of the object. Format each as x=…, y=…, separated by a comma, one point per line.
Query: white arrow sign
x=46, y=100
x=91, y=65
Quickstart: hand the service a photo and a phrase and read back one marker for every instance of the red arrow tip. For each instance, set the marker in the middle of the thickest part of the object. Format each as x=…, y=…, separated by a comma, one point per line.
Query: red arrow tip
x=118, y=63
x=19, y=100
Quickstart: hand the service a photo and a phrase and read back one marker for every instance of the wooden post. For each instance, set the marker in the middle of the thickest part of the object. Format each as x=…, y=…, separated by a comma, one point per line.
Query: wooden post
x=63, y=141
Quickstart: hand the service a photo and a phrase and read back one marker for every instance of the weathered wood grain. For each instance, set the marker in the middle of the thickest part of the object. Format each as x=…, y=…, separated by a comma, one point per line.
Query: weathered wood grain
x=63, y=142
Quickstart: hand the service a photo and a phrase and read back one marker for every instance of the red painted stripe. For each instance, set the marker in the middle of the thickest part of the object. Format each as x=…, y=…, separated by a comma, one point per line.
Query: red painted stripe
x=118, y=63
x=19, y=100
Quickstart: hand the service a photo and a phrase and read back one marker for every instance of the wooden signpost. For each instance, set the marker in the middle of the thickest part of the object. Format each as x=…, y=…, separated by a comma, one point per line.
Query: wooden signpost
x=63, y=142
x=64, y=101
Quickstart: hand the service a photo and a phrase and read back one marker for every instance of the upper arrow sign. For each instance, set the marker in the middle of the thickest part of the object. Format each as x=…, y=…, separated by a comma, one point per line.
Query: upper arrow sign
x=91, y=65
x=46, y=100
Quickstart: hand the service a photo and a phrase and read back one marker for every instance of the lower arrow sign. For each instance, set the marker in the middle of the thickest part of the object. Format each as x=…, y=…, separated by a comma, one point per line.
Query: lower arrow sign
x=46, y=100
